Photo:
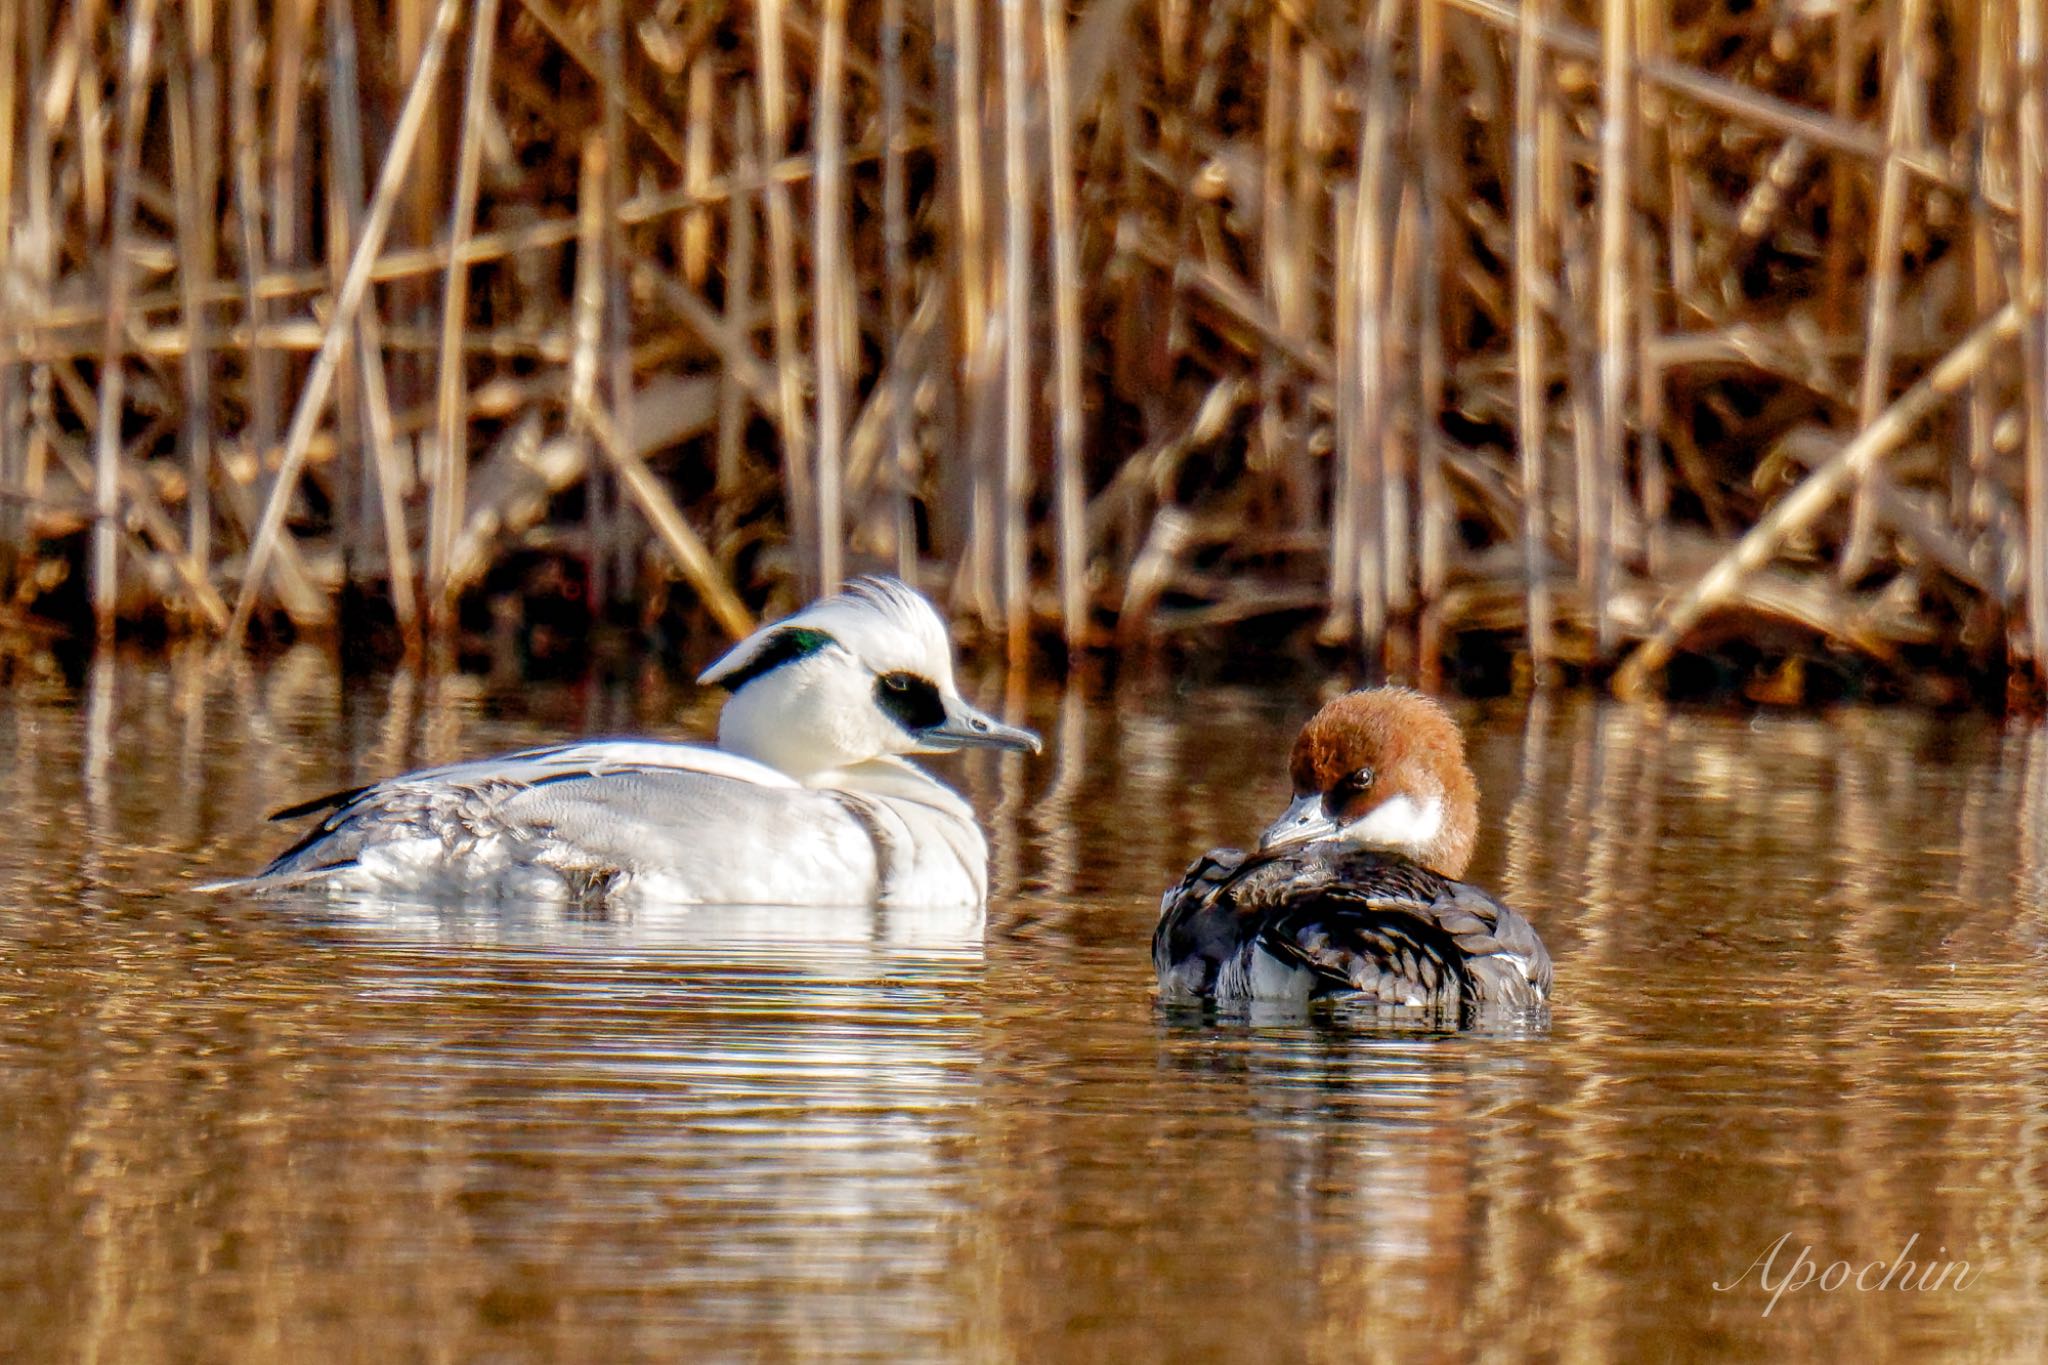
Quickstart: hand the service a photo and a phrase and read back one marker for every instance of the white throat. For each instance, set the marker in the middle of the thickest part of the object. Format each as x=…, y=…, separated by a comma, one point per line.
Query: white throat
x=1402, y=825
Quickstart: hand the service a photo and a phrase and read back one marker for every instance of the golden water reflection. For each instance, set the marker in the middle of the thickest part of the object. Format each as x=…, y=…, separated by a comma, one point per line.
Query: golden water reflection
x=1797, y=964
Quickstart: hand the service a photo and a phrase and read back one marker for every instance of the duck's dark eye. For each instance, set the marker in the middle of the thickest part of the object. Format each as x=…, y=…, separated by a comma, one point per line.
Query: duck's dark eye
x=896, y=682
x=1348, y=795
x=1353, y=783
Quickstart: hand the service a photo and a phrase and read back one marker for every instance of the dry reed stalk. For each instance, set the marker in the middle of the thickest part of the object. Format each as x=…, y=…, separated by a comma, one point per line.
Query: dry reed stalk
x=1017, y=225
x=895, y=279
x=1796, y=510
x=1377, y=203
x=407, y=263
x=693, y=244
x=586, y=315
x=13, y=414
x=10, y=74
x=683, y=543
x=1274, y=261
x=1346, y=516
x=730, y=342
x=287, y=44
x=796, y=460
x=1903, y=117
x=969, y=237
x=1654, y=482
x=445, y=499
x=82, y=96
x=1299, y=306
x=1990, y=118
x=1400, y=503
x=340, y=324
x=106, y=482
x=141, y=504
x=614, y=558
x=243, y=86
x=1430, y=153
x=828, y=221
x=197, y=125
x=1530, y=399
x=1726, y=97
x=916, y=347
x=739, y=307
x=383, y=464
x=1069, y=529
x=646, y=118
x=2032, y=66
x=1841, y=174
x=1617, y=137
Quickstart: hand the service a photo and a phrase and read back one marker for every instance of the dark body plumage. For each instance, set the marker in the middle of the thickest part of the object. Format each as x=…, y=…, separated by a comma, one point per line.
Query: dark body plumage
x=1324, y=919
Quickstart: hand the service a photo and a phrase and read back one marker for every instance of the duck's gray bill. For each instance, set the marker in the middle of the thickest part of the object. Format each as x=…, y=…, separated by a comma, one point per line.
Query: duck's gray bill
x=1301, y=822
x=966, y=728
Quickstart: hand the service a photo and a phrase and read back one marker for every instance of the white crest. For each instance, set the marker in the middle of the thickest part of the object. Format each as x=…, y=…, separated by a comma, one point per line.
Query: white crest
x=883, y=622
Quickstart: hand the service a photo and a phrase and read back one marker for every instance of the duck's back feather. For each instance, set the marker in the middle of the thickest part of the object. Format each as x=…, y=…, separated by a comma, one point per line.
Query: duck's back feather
x=1323, y=919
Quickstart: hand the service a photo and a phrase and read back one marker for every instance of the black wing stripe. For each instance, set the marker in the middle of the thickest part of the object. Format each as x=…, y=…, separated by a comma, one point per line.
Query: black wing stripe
x=320, y=803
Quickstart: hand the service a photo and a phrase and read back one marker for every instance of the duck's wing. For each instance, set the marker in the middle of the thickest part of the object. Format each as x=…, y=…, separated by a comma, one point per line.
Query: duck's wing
x=1195, y=936
x=1394, y=931
x=729, y=828
x=555, y=762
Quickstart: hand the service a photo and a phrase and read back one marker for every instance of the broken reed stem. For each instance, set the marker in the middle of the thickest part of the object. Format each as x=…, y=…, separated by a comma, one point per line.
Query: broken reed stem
x=1797, y=509
x=830, y=288
x=306, y=417
x=445, y=497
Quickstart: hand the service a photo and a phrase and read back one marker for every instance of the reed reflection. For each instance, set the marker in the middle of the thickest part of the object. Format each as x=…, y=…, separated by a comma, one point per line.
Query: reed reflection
x=1797, y=963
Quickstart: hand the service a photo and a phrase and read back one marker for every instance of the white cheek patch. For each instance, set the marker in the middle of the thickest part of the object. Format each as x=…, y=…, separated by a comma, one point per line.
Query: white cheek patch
x=1400, y=823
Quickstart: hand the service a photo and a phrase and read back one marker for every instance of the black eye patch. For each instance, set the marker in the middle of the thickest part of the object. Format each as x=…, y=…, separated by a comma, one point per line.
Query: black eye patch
x=912, y=702
x=797, y=642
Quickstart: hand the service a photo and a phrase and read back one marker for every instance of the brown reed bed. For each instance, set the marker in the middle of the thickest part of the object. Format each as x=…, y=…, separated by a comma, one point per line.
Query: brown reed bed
x=1664, y=346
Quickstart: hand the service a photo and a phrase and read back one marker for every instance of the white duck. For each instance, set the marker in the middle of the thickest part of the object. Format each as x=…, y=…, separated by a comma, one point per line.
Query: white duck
x=807, y=800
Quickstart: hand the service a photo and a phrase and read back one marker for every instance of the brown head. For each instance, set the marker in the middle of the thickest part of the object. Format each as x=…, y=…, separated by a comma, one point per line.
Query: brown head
x=1384, y=768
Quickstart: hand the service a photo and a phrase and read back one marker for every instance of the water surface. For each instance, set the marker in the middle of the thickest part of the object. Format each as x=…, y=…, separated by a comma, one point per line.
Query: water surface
x=1797, y=1006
